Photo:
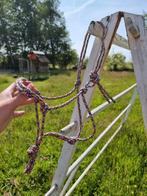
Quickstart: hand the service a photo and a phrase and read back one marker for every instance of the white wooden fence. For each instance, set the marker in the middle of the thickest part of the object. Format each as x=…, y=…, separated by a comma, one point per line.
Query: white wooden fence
x=74, y=166
x=137, y=43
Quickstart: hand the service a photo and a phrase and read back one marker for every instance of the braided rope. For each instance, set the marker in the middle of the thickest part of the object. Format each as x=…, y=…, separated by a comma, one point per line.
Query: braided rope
x=80, y=97
x=61, y=96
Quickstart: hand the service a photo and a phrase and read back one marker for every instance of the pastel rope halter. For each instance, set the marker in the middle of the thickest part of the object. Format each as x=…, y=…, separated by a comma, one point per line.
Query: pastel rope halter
x=80, y=93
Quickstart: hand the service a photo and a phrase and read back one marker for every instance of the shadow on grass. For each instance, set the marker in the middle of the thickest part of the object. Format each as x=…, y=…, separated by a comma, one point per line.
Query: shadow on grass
x=33, y=77
x=43, y=76
x=60, y=71
x=121, y=70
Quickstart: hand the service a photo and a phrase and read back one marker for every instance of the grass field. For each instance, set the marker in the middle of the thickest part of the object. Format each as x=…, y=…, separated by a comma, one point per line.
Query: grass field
x=120, y=171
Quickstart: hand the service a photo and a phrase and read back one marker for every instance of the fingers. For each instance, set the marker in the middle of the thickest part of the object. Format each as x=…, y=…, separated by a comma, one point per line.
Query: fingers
x=29, y=84
x=21, y=100
x=10, y=90
x=15, y=93
x=12, y=87
x=32, y=87
x=18, y=98
x=18, y=113
x=30, y=101
x=26, y=82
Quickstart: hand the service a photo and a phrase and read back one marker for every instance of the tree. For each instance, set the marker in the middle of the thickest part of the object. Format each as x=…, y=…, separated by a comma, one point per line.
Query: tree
x=67, y=57
x=7, y=37
x=15, y=18
x=145, y=19
x=116, y=62
x=35, y=25
x=56, y=41
x=25, y=24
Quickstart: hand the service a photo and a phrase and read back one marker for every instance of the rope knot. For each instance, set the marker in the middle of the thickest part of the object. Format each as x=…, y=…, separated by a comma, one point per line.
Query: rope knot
x=94, y=77
x=84, y=90
x=36, y=100
x=72, y=140
x=44, y=108
x=77, y=83
x=32, y=151
x=28, y=93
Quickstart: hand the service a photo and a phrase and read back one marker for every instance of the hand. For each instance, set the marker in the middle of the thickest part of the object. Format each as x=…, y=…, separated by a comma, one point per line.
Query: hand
x=10, y=99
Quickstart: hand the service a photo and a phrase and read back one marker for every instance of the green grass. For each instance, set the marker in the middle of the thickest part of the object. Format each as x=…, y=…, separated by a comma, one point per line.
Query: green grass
x=121, y=170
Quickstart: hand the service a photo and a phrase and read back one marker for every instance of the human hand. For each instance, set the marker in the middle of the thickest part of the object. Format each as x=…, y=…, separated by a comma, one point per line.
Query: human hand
x=18, y=99
x=10, y=99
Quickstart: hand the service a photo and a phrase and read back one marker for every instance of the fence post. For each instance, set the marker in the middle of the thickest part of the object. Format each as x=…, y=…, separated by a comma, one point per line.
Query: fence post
x=68, y=150
x=137, y=37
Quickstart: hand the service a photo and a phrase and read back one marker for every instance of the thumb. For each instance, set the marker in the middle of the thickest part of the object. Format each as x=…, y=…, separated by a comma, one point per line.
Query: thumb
x=18, y=113
x=10, y=89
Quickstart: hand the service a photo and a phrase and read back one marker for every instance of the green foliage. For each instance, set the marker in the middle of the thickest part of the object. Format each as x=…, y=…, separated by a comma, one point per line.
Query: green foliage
x=7, y=36
x=121, y=170
x=145, y=19
x=85, y=63
x=35, y=25
x=67, y=57
x=117, y=62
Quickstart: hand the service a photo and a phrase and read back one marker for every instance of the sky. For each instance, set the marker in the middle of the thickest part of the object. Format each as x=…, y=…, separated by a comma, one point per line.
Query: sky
x=79, y=13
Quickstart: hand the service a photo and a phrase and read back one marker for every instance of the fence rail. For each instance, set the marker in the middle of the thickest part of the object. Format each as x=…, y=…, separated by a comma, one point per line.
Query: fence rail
x=136, y=42
x=76, y=164
x=67, y=129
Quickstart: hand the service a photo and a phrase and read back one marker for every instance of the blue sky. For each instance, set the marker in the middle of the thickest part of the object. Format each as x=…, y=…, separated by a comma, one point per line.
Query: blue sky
x=79, y=13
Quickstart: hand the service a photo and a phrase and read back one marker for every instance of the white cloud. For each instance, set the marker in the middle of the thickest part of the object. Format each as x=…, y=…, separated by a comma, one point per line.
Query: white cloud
x=80, y=8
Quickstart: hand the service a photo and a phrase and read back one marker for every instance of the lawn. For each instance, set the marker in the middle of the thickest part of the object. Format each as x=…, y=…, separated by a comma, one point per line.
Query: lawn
x=121, y=170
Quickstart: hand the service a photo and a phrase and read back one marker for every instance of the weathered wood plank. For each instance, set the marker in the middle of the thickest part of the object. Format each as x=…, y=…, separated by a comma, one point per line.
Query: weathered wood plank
x=96, y=29
x=68, y=150
x=121, y=42
x=138, y=46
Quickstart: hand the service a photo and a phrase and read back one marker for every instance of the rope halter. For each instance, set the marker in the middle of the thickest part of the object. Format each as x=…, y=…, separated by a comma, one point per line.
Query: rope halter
x=39, y=99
